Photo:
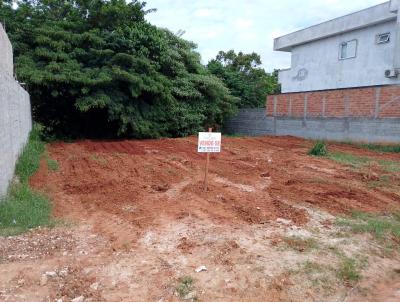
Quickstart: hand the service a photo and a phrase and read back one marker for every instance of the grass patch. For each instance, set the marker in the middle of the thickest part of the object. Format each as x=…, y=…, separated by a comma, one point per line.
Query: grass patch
x=29, y=161
x=360, y=161
x=348, y=271
x=390, y=166
x=300, y=244
x=349, y=159
x=383, y=228
x=185, y=288
x=52, y=164
x=22, y=208
x=377, y=147
x=319, y=149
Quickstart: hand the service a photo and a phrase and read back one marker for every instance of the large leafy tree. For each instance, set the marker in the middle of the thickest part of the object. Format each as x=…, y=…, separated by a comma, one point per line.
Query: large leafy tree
x=243, y=75
x=97, y=68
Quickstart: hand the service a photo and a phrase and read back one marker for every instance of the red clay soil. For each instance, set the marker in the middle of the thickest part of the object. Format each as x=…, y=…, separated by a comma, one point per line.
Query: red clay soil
x=123, y=187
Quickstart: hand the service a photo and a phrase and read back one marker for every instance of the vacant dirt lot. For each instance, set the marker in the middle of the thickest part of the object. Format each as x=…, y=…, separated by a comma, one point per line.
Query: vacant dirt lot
x=135, y=224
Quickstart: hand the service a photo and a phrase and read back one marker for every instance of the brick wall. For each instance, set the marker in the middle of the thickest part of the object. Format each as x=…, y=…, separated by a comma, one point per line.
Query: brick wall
x=369, y=102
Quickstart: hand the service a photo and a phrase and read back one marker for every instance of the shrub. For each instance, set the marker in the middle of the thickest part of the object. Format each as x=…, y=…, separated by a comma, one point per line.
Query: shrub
x=319, y=149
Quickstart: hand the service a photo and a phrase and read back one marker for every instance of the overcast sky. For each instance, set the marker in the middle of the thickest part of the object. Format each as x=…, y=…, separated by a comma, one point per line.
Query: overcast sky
x=246, y=25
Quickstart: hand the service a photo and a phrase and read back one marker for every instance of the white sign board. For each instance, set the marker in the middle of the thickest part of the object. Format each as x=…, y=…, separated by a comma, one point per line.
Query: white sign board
x=209, y=142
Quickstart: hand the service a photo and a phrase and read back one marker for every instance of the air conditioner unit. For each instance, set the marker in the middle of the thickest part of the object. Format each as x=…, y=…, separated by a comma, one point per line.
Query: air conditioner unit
x=391, y=73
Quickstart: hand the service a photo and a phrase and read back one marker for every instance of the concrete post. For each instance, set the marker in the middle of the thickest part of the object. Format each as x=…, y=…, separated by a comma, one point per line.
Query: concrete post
x=275, y=104
x=377, y=101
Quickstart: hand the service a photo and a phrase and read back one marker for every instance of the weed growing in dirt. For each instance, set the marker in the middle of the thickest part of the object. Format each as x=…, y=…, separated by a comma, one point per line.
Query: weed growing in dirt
x=383, y=181
x=22, y=208
x=301, y=244
x=185, y=288
x=52, y=164
x=348, y=271
x=319, y=149
x=383, y=228
x=99, y=159
x=312, y=267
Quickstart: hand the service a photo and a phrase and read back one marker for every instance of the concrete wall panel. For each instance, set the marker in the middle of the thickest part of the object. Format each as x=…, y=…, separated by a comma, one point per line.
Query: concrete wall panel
x=15, y=115
x=339, y=129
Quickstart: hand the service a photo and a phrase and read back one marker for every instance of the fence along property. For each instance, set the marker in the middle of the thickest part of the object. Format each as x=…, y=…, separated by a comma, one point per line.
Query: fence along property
x=15, y=114
x=370, y=114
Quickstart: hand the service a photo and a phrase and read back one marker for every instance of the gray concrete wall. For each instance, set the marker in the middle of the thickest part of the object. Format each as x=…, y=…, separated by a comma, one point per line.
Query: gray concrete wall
x=340, y=129
x=254, y=122
x=6, y=54
x=15, y=116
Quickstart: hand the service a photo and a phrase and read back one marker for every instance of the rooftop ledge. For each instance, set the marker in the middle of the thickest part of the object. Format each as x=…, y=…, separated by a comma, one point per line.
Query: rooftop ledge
x=374, y=15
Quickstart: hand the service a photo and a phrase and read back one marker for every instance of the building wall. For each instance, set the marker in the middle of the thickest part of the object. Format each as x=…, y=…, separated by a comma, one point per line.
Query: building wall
x=322, y=69
x=15, y=115
x=369, y=114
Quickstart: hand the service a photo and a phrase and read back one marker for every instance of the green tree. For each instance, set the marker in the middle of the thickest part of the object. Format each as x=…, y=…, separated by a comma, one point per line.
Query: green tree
x=243, y=75
x=97, y=68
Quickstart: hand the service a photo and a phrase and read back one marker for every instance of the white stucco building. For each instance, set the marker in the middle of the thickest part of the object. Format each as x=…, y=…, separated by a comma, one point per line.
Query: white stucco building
x=357, y=50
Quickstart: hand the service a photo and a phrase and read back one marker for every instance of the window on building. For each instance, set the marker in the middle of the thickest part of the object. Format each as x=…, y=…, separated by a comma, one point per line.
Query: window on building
x=348, y=50
x=383, y=38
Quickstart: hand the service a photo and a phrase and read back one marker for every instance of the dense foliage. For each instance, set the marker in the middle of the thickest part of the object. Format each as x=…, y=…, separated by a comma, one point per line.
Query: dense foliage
x=244, y=77
x=97, y=68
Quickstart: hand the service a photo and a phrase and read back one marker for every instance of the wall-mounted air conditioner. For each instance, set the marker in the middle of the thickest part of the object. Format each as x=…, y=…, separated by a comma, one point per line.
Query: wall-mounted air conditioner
x=391, y=73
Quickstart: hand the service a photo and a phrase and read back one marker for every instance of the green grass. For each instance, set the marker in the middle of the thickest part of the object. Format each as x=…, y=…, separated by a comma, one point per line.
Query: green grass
x=386, y=228
x=185, y=287
x=29, y=161
x=360, y=161
x=319, y=149
x=377, y=147
x=22, y=208
x=348, y=270
x=349, y=159
x=52, y=164
x=390, y=166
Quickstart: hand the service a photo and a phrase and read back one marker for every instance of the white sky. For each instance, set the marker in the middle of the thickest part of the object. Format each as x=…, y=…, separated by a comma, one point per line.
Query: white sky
x=246, y=25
